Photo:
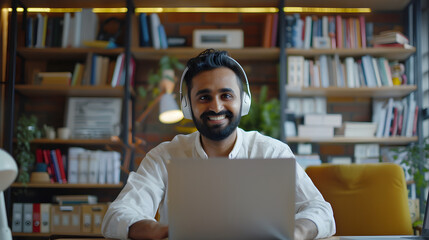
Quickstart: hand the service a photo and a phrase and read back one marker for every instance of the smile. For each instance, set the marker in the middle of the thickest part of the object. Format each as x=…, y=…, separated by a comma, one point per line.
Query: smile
x=216, y=118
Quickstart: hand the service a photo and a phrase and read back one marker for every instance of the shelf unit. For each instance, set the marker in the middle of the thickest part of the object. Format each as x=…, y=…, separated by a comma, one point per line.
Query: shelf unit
x=65, y=185
x=273, y=54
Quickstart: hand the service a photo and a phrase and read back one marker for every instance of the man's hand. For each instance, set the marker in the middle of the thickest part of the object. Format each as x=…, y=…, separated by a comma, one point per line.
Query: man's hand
x=305, y=229
x=147, y=229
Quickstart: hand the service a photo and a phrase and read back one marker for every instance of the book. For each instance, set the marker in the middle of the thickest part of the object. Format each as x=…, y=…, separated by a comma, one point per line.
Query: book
x=155, y=22
x=73, y=164
x=359, y=129
x=45, y=220
x=393, y=45
x=266, y=41
x=334, y=120
x=144, y=30
x=315, y=132
x=60, y=165
x=50, y=163
x=75, y=199
x=17, y=215
x=27, y=226
x=53, y=157
x=390, y=37
x=54, y=78
x=36, y=217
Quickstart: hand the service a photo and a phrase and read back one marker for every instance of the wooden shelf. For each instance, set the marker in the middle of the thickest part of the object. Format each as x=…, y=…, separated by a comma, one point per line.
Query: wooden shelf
x=260, y=53
x=75, y=91
x=385, y=5
x=185, y=53
x=64, y=53
x=344, y=140
x=69, y=235
x=65, y=185
x=388, y=53
x=377, y=92
x=76, y=141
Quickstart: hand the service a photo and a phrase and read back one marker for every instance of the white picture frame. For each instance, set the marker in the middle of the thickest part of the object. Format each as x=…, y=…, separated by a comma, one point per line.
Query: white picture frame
x=93, y=118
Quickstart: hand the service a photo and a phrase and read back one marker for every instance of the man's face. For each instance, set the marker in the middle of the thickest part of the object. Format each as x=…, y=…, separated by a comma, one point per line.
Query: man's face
x=216, y=103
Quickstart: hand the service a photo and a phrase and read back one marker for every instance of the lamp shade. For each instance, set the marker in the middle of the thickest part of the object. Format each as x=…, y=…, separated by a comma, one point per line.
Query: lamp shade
x=169, y=111
x=8, y=170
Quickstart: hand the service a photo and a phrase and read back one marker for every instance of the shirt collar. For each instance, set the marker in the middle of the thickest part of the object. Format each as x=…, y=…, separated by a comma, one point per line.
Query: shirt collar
x=233, y=154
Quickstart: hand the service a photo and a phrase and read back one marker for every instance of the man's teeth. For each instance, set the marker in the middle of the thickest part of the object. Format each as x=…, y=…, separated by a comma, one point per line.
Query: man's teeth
x=215, y=118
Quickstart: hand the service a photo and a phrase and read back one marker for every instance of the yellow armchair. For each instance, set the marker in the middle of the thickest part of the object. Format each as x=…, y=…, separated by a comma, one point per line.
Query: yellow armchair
x=367, y=199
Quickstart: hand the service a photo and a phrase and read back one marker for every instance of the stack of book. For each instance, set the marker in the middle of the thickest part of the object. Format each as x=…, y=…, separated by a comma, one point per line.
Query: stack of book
x=319, y=125
x=391, y=39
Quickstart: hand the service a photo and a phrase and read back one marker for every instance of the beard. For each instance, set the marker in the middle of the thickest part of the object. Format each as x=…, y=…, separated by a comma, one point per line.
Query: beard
x=216, y=132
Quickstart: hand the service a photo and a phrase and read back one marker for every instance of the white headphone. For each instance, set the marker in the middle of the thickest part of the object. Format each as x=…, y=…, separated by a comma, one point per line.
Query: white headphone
x=186, y=106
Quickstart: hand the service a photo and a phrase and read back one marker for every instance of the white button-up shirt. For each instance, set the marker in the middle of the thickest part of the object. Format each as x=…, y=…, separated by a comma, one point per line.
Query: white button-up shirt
x=145, y=191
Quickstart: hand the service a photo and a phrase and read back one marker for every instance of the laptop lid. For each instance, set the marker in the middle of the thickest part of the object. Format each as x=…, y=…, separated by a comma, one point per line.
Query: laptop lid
x=231, y=198
x=425, y=228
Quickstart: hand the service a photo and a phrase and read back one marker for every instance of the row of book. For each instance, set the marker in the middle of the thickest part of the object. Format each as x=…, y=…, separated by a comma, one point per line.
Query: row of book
x=81, y=165
x=330, y=71
x=395, y=117
x=328, y=32
x=303, y=105
x=98, y=70
x=94, y=167
x=58, y=219
x=151, y=31
x=55, y=162
x=66, y=31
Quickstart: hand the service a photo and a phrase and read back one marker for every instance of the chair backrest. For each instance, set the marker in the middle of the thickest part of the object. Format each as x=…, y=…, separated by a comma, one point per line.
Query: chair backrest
x=367, y=199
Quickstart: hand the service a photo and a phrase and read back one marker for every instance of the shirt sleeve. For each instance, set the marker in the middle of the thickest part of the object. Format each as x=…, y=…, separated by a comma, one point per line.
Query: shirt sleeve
x=309, y=204
x=138, y=200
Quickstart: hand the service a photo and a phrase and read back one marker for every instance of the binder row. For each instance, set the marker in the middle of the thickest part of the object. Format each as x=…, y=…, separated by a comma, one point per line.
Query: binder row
x=60, y=219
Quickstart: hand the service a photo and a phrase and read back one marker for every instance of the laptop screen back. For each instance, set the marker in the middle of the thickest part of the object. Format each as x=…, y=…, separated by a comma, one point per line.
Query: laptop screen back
x=425, y=230
x=231, y=198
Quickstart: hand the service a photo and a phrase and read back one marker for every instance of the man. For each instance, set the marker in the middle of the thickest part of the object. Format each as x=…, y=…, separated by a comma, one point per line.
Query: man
x=215, y=101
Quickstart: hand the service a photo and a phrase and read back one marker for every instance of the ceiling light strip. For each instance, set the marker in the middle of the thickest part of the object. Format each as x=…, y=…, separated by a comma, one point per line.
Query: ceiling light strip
x=204, y=10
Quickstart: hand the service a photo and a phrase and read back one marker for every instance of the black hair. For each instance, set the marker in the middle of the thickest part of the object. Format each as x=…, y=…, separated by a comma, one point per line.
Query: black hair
x=211, y=59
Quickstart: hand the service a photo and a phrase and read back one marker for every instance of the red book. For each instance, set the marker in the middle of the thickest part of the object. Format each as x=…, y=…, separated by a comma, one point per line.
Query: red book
x=274, y=30
x=362, y=31
x=49, y=165
x=39, y=156
x=416, y=115
x=339, y=30
x=61, y=165
x=36, y=217
x=266, y=41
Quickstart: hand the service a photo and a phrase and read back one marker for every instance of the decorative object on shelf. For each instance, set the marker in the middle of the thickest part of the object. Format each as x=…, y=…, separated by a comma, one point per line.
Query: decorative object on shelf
x=8, y=171
x=40, y=175
x=49, y=131
x=26, y=131
x=93, y=118
x=263, y=115
x=218, y=38
x=161, y=86
x=415, y=165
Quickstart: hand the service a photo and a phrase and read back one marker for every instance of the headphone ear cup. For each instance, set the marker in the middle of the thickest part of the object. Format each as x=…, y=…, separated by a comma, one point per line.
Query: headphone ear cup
x=186, y=108
x=245, y=104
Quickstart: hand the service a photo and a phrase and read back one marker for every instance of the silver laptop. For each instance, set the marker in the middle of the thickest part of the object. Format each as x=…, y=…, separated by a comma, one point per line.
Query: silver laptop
x=231, y=198
x=424, y=235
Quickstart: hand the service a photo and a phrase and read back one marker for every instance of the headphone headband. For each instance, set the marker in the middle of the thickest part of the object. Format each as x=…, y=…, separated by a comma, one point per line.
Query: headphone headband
x=230, y=58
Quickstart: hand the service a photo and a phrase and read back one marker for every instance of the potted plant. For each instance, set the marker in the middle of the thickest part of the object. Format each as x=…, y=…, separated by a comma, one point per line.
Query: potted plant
x=264, y=116
x=164, y=77
x=26, y=131
x=415, y=165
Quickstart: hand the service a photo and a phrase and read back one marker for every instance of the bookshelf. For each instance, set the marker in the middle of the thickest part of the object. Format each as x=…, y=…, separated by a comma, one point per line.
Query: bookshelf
x=183, y=53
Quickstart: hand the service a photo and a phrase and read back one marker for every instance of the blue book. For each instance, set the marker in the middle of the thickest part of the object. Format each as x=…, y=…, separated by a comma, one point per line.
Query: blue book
x=93, y=70
x=162, y=37
x=144, y=31
x=56, y=166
